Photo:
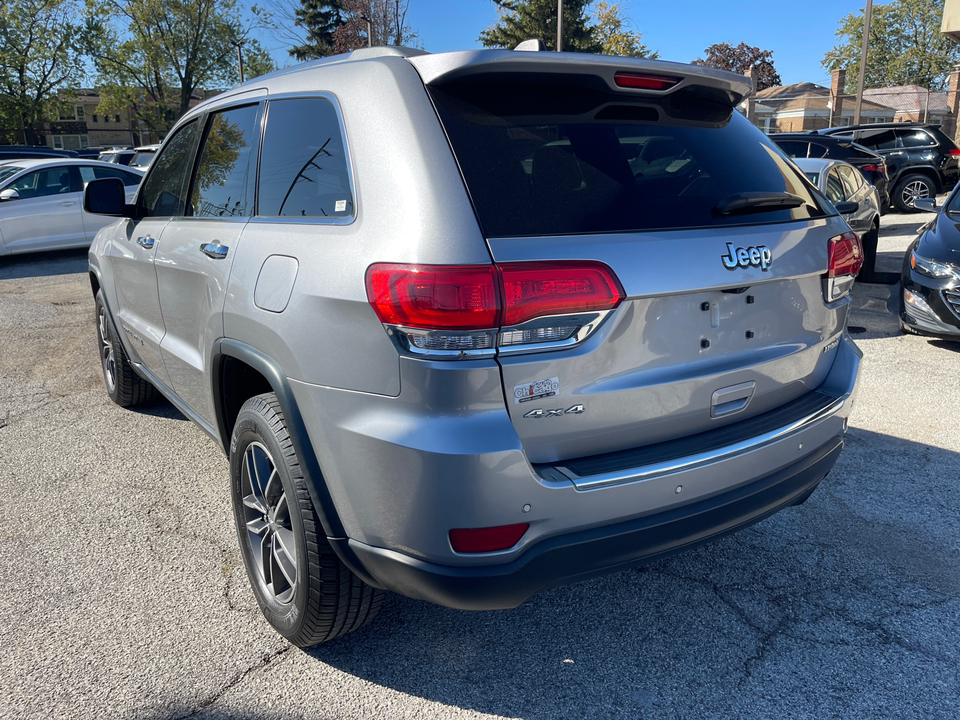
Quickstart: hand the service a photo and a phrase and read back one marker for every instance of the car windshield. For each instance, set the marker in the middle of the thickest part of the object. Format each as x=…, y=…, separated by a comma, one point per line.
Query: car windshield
x=8, y=170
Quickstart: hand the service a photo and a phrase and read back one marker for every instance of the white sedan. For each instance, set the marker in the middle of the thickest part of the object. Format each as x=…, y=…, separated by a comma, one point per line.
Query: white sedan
x=41, y=202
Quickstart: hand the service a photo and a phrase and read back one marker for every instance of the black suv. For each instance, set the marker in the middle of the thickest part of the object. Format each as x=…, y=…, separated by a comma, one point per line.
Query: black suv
x=16, y=152
x=871, y=164
x=921, y=160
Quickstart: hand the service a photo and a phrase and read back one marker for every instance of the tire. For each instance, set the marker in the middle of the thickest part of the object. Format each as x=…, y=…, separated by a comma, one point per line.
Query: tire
x=909, y=189
x=124, y=386
x=303, y=589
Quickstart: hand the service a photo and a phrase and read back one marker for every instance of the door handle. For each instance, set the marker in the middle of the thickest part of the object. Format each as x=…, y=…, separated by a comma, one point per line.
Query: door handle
x=214, y=250
x=146, y=242
x=67, y=204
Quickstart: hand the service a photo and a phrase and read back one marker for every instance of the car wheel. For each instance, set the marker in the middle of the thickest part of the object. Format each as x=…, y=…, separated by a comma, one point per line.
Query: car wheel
x=304, y=590
x=911, y=188
x=124, y=386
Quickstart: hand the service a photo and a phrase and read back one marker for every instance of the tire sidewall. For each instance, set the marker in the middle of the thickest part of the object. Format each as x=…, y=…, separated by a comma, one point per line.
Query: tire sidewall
x=251, y=426
x=902, y=185
x=112, y=392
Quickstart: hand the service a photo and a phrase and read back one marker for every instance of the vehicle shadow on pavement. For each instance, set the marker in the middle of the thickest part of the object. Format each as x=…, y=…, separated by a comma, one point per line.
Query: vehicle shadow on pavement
x=855, y=590
x=43, y=264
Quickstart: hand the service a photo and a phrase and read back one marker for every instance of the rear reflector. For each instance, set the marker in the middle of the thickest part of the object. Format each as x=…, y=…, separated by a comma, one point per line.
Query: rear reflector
x=645, y=82
x=490, y=539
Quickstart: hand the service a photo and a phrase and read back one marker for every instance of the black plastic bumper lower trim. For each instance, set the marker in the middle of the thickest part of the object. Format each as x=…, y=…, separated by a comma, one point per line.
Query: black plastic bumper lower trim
x=581, y=555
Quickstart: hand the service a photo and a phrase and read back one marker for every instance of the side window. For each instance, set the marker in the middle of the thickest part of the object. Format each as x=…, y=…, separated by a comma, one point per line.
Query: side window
x=165, y=187
x=851, y=180
x=223, y=182
x=128, y=178
x=41, y=183
x=878, y=139
x=793, y=148
x=835, y=187
x=303, y=164
x=915, y=138
x=817, y=151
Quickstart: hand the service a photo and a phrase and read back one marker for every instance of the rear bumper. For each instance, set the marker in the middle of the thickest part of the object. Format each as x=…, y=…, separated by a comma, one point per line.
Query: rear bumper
x=580, y=555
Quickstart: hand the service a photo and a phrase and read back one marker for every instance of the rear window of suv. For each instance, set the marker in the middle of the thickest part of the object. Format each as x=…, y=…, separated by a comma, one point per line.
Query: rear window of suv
x=542, y=159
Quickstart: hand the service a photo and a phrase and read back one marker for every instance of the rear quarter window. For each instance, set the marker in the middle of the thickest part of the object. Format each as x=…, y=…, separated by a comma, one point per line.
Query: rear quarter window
x=552, y=160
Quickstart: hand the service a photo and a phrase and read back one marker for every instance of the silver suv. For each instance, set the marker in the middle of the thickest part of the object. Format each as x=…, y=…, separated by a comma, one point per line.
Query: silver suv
x=471, y=325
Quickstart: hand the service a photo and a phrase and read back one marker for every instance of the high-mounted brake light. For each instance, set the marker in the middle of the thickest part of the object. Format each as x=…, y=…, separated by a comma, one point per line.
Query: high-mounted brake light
x=458, y=310
x=645, y=82
x=844, y=260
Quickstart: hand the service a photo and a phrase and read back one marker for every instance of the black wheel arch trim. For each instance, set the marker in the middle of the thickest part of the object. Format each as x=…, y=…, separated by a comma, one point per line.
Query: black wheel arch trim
x=309, y=463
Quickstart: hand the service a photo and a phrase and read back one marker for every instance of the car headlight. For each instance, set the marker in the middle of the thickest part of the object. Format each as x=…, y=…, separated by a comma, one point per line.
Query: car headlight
x=932, y=268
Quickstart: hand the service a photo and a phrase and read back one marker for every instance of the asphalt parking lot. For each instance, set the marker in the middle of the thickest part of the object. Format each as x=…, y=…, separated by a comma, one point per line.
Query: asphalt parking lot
x=124, y=596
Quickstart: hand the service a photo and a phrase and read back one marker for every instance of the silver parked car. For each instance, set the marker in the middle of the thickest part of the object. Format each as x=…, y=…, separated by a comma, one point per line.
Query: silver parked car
x=854, y=197
x=474, y=324
x=41, y=202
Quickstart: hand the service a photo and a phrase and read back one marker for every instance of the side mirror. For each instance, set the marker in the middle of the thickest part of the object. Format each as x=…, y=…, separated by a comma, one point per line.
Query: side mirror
x=105, y=197
x=845, y=208
x=921, y=204
x=9, y=194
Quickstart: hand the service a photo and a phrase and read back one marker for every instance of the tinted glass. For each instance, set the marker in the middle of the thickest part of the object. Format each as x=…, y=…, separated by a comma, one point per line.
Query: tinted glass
x=8, y=170
x=852, y=180
x=165, y=186
x=89, y=173
x=878, y=139
x=542, y=157
x=223, y=183
x=817, y=151
x=915, y=138
x=835, y=187
x=303, y=164
x=793, y=148
x=50, y=181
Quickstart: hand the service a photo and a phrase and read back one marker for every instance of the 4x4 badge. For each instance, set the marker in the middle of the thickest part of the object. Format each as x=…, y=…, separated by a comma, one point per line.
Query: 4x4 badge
x=557, y=412
x=757, y=256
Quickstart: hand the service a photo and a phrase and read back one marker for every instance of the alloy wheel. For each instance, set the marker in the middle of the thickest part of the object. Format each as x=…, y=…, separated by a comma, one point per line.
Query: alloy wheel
x=107, y=356
x=914, y=191
x=270, y=533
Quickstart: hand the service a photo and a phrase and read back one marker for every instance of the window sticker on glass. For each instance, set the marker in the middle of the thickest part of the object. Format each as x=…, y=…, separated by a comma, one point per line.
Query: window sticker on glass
x=341, y=206
x=536, y=390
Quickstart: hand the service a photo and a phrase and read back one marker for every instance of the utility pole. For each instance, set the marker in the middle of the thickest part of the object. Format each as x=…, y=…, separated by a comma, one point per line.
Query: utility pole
x=863, y=60
x=559, y=25
x=239, y=44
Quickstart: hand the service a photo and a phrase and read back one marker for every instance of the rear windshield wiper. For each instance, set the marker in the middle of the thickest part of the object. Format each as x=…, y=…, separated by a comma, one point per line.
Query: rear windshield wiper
x=757, y=202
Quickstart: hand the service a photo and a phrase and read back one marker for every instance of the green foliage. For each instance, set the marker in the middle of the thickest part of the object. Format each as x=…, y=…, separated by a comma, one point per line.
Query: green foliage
x=525, y=19
x=320, y=19
x=740, y=59
x=152, y=55
x=39, y=56
x=906, y=46
x=613, y=37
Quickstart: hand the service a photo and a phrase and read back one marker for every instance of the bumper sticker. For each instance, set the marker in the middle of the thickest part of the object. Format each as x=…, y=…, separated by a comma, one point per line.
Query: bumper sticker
x=536, y=390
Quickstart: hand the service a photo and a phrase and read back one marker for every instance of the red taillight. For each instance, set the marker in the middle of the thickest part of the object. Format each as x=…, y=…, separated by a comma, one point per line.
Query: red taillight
x=645, y=82
x=844, y=255
x=536, y=289
x=955, y=152
x=490, y=539
x=872, y=168
x=445, y=297
x=474, y=297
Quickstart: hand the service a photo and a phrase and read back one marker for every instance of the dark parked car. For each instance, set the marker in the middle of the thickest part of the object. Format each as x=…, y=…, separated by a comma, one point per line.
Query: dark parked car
x=871, y=164
x=921, y=160
x=15, y=152
x=118, y=155
x=930, y=280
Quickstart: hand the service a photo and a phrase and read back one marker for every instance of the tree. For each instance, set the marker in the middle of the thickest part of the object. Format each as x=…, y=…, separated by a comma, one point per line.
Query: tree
x=614, y=39
x=152, y=55
x=906, y=46
x=387, y=24
x=320, y=20
x=39, y=56
x=525, y=19
x=740, y=59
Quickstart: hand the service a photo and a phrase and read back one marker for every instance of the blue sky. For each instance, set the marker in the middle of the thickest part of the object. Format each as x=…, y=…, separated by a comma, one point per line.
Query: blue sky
x=798, y=35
